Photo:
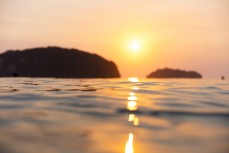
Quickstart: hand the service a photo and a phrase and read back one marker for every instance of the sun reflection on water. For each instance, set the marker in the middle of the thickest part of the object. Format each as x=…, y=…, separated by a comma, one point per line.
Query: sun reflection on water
x=133, y=79
x=134, y=119
x=129, y=144
x=135, y=88
x=132, y=98
x=131, y=117
x=132, y=106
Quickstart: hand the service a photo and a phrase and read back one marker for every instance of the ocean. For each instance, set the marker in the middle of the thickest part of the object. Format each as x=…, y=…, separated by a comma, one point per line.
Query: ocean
x=49, y=115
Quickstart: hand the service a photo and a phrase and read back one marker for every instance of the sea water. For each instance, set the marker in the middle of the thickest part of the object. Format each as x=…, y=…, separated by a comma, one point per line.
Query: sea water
x=48, y=115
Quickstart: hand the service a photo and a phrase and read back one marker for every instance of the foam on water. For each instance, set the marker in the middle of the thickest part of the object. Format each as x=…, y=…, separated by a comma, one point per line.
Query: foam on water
x=113, y=115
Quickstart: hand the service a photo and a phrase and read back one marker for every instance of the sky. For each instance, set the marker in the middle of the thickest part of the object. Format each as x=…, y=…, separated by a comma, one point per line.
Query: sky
x=184, y=34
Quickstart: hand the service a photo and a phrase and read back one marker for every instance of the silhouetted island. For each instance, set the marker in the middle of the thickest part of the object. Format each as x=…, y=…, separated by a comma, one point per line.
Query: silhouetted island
x=56, y=62
x=173, y=73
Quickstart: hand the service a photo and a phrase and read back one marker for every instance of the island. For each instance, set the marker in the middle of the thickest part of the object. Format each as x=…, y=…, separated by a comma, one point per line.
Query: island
x=56, y=62
x=173, y=73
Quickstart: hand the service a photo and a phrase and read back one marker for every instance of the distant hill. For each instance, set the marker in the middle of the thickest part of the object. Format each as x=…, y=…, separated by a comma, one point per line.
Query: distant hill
x=173, y=73
x=56, y=62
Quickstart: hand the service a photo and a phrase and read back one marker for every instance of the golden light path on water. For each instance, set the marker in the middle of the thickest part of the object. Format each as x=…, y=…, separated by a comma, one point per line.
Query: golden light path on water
x=132, y=106
x=133, y=79
x=129, y=144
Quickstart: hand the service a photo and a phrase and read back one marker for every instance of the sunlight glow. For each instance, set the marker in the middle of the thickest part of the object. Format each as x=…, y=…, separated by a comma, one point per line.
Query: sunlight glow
x=131, y=117
x=132, y=98
x=129, y=144
x=133, y=79
x=134, y=46
x=135, y=88
x=136, y=121
x=132, y=106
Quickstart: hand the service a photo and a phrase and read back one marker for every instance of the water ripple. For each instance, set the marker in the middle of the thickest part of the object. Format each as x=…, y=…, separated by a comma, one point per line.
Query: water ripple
x=96, y=115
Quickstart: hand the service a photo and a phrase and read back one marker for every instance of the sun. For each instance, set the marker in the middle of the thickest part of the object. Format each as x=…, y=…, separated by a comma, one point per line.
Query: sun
x=134, y=46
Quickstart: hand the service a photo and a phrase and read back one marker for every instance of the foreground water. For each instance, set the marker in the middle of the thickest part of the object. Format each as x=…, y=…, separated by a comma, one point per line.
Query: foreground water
x=113, y=116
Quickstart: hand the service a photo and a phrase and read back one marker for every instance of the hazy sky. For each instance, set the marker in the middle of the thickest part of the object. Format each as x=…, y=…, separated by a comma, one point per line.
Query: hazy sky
x=185, y=34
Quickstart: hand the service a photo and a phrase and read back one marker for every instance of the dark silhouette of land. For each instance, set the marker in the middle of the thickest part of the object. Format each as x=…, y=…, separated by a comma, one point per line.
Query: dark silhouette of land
x=173, y=73
x=56, y=62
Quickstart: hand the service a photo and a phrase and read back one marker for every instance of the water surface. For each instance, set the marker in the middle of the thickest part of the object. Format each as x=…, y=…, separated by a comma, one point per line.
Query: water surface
x=114, y=115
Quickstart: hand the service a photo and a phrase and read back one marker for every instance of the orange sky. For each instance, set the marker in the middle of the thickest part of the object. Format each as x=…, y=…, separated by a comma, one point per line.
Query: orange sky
x=185, y=34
